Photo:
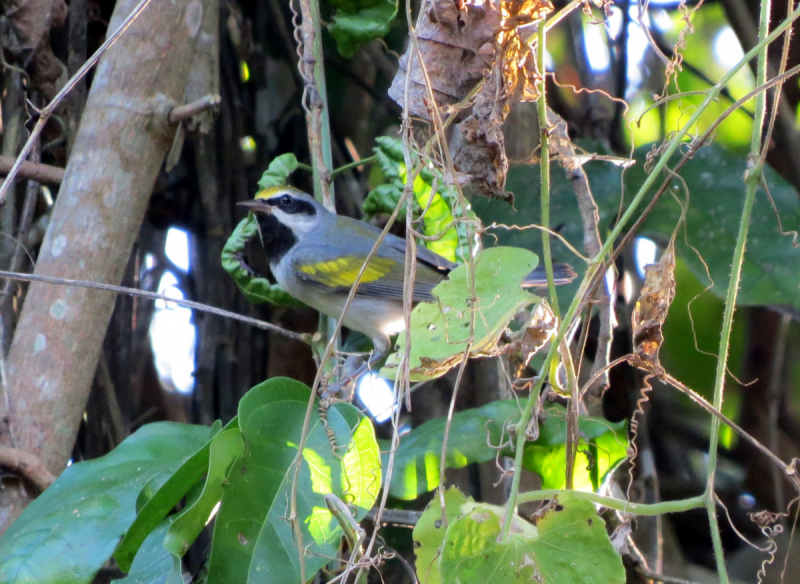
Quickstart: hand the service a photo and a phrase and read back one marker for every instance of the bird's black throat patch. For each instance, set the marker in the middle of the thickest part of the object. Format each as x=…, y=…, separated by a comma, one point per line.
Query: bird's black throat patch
x=276, y=237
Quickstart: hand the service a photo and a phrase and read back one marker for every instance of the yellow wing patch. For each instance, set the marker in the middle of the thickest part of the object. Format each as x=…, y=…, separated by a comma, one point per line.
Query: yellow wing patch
x=342, y=272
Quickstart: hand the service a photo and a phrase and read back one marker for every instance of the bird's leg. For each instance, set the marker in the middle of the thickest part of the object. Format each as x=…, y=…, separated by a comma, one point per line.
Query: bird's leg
x=344, y=388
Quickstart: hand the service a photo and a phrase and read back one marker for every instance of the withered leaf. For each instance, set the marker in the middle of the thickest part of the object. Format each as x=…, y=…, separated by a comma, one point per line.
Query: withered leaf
x=651, y=309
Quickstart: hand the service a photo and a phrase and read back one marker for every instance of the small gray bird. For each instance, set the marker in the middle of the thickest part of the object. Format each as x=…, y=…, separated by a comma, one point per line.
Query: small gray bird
x=316, y=255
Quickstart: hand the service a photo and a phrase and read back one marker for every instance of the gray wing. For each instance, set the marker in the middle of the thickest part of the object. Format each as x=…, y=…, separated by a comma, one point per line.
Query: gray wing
x=386, y=282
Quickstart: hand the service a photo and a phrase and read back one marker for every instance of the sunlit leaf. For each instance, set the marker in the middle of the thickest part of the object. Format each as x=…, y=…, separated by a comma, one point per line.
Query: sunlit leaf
x=440, y=331
x=477, y=436
x=568, y=544
x=451, y=239
x=253, y=539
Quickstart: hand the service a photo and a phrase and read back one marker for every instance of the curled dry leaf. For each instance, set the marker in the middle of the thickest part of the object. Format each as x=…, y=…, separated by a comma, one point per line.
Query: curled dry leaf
x=464, y=44
x=528, y=341
x=651, y=309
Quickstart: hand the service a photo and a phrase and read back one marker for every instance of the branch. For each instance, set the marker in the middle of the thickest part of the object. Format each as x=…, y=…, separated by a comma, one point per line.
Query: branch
x=42, y=173
x=184, y=112
x=26, y=465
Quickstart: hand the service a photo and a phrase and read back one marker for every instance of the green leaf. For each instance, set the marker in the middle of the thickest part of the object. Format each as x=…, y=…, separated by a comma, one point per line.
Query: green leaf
x=771, y=270
x=153, y=564
x=440, y=331
x=417, y=459
x=568, y=544
x=226, y=448
x=255, y=288
x=253, y=541
x=278, y=171
x=451, y=238
x=416, y=462
x=357, y=22
x=161, y=497
x=68, y=533
x=429, y=532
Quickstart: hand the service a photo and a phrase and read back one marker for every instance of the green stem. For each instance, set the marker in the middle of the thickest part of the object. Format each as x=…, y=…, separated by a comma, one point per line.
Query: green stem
x=618, y=504
x=752, y=179
x=544, y=165
x=596, y=263
x=345, y=167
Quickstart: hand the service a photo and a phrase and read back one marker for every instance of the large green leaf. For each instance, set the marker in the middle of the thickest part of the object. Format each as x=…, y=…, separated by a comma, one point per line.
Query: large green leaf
x=357, y=22
x=417, y=459
x=429, y=532
x=440, y=331
x=568, y=544
x=771, y=271
x=153, y=564
x=226, y=448
x=157, y=498
x=68, y=533
x=253, y=540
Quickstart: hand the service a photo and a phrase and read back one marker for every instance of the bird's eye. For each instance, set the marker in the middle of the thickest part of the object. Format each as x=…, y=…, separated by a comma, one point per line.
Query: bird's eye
x=286, y=200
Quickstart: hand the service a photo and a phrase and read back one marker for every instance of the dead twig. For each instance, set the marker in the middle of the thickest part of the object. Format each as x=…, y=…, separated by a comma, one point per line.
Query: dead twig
x=303, y=338
x=184, y=112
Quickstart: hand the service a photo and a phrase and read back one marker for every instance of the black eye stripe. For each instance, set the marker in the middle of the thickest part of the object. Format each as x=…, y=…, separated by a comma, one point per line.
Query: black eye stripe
x=292, y=206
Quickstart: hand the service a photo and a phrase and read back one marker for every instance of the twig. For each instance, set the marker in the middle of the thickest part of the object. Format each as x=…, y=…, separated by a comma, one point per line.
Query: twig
x=43, y=173
x=44, y=114
x=184, y=112
x=27, y=465
x=752, y=179
x=303, y=338
x=590, y=217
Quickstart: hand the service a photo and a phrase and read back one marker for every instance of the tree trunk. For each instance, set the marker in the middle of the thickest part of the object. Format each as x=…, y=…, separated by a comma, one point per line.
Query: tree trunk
x=120, y=146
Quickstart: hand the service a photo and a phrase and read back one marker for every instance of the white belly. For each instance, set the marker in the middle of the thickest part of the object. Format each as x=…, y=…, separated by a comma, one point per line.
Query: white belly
x=376, y=318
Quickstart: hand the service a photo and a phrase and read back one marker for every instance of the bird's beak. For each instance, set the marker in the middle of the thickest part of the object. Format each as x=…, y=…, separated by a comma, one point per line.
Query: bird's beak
x=255, y=206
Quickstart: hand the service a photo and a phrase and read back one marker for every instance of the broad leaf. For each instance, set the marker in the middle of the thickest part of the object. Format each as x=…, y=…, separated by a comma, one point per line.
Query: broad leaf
x=158, y=497
x=771, y=271
x=450, y=238
x=69, y=532
x=357, y=22
x=429, y=532
x=153, y=564
x=226, y=448
x=253, y=541
x=440, y=331
x=417, y=459
x=568, y=544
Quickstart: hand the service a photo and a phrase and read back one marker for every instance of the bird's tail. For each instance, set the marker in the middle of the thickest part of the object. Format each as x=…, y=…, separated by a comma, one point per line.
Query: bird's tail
x=562, y=274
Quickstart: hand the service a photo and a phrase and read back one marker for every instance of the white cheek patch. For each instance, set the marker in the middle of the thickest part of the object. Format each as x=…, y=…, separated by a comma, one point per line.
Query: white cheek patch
x=299, y=223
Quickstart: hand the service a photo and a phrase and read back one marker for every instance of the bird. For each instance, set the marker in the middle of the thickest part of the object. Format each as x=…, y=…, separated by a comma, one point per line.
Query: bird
x=316, y=255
